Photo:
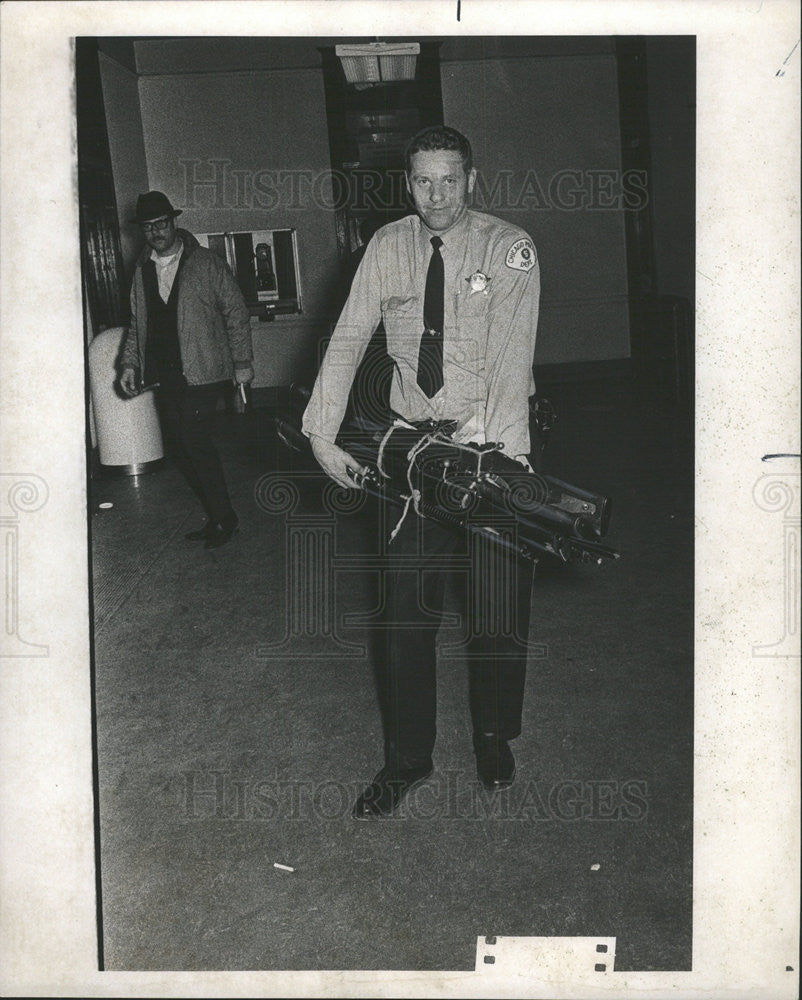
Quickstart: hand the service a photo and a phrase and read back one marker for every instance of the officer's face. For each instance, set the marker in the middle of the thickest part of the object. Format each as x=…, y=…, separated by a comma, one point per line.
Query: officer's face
x=439, y=187
x=160, y=234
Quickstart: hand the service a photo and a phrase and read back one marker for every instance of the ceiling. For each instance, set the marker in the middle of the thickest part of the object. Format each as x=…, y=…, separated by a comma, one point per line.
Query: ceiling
x=168, y=56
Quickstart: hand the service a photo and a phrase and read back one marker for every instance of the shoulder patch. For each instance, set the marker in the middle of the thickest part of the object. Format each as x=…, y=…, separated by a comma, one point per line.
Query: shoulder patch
x=522, y=255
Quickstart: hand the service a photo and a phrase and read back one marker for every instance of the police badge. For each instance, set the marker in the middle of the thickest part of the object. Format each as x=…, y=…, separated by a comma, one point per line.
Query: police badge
x=478, y=282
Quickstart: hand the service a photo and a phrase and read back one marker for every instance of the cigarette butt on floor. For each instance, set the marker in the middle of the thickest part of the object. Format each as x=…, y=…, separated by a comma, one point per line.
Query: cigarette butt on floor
x=283, y=868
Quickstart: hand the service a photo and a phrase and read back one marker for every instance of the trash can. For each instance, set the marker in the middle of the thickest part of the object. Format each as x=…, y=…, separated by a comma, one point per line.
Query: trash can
x=128, y=433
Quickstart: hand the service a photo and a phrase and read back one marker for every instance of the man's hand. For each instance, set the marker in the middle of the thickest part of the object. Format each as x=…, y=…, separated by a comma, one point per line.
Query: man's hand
x=243, y=374
x=129, y=382
x=336, y=463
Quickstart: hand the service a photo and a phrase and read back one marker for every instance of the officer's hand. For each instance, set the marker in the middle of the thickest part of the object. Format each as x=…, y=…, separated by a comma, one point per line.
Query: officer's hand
x=337, y=463
x=129, y=381
x=243, y=374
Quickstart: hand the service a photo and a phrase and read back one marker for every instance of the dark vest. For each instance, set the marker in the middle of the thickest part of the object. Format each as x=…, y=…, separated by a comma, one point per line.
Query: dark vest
x=162, y=351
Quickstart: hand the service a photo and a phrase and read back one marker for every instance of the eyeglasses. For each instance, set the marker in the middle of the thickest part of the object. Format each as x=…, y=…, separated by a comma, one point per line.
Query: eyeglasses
x=157, y=226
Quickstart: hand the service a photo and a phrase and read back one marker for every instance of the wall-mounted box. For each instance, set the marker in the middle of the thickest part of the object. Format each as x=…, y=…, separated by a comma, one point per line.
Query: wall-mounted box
x=265, y=264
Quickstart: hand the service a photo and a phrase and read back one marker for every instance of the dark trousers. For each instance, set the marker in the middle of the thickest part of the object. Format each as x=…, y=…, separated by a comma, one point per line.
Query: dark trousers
x=187, y=416
x=494, y=590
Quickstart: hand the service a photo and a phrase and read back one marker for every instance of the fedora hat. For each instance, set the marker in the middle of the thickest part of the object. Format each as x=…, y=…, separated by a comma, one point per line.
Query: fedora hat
x=153, y=205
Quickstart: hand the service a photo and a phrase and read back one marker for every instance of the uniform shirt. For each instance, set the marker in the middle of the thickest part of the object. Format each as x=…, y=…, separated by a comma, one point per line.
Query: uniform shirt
x=488, y=336
x=166, y=270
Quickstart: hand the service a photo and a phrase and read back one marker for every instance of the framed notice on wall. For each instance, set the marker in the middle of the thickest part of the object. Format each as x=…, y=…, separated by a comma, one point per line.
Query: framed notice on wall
x=265, y=264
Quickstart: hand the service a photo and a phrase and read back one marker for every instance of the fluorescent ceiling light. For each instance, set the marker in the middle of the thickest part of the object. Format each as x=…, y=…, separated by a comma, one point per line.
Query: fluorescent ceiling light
x=378, y=62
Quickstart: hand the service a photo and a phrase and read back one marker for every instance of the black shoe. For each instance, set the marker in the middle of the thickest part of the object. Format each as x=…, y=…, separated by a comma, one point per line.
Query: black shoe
x=201, y=534
x=383, y=796
x=219, y=533
x=495, y=764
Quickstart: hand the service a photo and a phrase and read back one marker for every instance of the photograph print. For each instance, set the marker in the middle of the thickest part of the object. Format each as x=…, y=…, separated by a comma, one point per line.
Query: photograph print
x=390, y=449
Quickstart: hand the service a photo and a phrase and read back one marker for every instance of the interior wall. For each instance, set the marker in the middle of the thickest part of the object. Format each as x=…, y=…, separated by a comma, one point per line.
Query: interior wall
x=671, y=68
x=259, y=141
x=534, y=115
x=126, y=147
x=554, y=121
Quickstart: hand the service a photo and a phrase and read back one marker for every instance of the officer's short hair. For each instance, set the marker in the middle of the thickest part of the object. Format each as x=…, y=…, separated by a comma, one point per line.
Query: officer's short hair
x=435, y=138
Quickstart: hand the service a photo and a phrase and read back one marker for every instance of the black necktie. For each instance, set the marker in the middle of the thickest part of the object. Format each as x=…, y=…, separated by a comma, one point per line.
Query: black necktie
x=430, y=356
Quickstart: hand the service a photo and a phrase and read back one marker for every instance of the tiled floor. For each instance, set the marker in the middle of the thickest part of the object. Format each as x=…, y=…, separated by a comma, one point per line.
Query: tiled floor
x=233, y=735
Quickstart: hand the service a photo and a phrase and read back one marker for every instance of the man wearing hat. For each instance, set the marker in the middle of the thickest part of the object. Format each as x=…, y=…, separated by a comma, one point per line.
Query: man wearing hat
x=190, y=333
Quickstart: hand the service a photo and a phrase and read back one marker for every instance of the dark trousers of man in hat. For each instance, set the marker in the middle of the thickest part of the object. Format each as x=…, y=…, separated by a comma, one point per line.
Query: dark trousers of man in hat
x=190, y=333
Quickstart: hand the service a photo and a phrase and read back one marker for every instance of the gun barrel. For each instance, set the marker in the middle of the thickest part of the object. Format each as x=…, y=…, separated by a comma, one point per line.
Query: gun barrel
x=596, y=509
x=299, y=395
x=527, y=509
x=289, y=434
x=453, y=486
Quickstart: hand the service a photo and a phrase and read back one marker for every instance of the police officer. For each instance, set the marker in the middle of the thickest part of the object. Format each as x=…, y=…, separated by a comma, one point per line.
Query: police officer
x=458, y=293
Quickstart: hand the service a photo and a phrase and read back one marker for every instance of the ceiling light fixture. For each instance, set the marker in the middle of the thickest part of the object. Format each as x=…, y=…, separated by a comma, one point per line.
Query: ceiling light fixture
x=378, y=62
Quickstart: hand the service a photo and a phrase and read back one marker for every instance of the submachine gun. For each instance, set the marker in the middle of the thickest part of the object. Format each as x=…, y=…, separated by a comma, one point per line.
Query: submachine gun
x=467, y=487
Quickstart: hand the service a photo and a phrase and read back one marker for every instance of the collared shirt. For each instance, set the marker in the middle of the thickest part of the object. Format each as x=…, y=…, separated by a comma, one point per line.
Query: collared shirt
x=488, y=337
x=166, y=270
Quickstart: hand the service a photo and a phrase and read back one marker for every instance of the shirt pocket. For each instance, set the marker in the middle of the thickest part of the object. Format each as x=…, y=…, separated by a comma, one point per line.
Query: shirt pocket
x=472, y=316
x=403, y=323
